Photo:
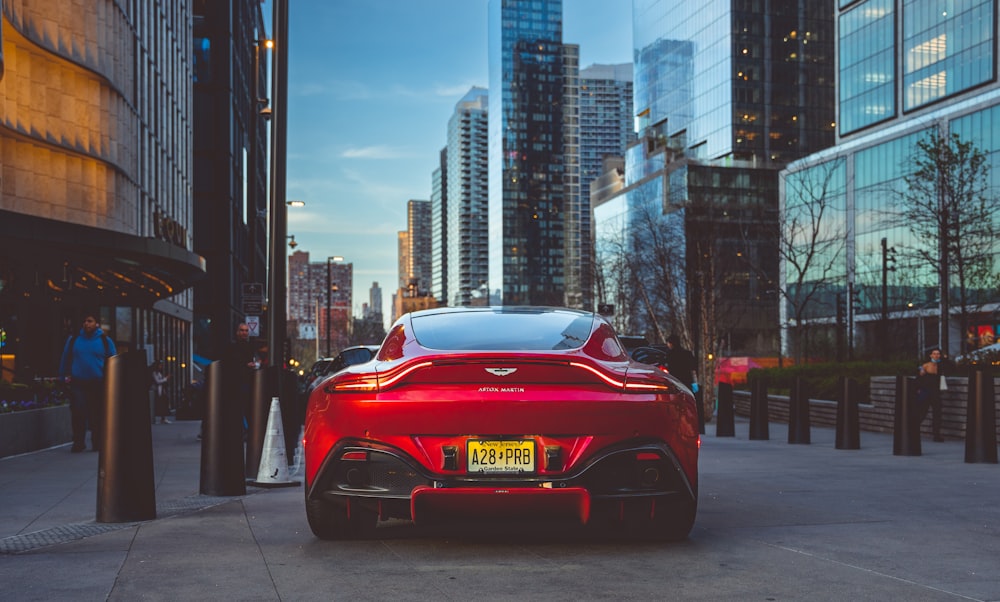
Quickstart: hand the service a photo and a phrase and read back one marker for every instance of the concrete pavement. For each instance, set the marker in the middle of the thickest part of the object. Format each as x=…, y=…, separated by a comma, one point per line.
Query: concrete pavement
x=916, y=527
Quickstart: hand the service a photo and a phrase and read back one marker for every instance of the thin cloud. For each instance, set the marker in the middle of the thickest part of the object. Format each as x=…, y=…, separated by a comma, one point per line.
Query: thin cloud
x=375, y=152
x=454, y=91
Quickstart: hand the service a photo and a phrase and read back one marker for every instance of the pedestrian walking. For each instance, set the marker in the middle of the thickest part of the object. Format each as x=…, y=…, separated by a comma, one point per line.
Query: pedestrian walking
x=681, y=364
x=930, y=382
x=82, y=368
x=161, y=402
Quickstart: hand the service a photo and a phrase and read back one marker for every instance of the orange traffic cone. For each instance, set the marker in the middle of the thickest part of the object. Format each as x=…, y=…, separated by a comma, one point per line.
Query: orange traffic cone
x=273, y=471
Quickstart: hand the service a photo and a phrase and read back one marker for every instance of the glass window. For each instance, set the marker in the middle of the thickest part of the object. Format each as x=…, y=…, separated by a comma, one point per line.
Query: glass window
x=947, y=48
x=867, y=65
x=514, y=329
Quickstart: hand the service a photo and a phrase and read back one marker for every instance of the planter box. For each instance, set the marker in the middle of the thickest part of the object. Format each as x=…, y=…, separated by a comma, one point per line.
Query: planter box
x=31, y=430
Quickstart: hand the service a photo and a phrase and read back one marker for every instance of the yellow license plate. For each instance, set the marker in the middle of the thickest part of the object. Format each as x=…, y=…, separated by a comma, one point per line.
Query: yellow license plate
x=492, y=456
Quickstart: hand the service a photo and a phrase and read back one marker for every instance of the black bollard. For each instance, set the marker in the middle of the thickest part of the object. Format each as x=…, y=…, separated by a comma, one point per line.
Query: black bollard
x=798, y=413
x=724, y=422
x=222, y=435
x=125, y=486
x=906, y=428
x=262, y=389
x=758, y=410
x=848, y=420
x=980, y=419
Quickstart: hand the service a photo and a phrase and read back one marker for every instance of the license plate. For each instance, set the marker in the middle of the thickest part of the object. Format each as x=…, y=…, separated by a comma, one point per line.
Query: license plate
x=493, y=456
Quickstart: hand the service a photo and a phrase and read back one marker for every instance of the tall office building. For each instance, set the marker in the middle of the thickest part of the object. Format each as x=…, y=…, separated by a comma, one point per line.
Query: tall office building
x=606, y=121
x=605, y=130
x=468, y=200
x=96, y=206
x=230, y=165
x=725, y=95
x=527, y=171
x=439, y=229
x=375, y=302
x=905, y=70
x=418, y=266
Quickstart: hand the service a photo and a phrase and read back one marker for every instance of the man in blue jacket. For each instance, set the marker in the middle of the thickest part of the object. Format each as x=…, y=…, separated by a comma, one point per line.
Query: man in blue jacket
x=82, y=367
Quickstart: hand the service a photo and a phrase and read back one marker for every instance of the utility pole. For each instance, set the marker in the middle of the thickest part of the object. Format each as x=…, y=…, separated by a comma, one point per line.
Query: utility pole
x=888, y=255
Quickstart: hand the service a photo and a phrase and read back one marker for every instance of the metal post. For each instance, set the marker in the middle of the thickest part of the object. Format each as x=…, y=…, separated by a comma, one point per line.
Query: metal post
x=327, y=312
x=759, y=415
x=799, y=425
x=906, y=429
x=724, y=422
x=980, y=418
x=222, y=457
x=277, y=304
x=848, y=419
x=884, y=325
x=125, y=487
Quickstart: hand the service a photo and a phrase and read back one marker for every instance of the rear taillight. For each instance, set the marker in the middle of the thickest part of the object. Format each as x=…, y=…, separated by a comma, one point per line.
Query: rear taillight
x=352, y=383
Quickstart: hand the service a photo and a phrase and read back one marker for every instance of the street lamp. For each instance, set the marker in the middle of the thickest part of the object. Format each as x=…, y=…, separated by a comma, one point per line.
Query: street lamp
x=277, y=207
x=329, y=290
x=888, y=256
x=257, y=117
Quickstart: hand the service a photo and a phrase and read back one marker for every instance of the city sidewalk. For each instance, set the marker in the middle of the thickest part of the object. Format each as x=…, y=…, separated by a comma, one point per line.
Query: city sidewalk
x=50, y=496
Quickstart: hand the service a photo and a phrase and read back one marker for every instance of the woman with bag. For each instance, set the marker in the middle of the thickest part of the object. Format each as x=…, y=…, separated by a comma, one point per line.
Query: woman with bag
x=161, y=405
x=930, y=383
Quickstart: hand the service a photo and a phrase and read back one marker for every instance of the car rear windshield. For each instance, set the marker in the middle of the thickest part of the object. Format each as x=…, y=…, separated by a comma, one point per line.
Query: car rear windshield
x=513, y=330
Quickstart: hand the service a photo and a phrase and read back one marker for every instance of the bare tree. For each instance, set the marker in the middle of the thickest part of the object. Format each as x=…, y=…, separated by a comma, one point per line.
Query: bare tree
x=658, y=269
x=811, y=241
x=948, y=207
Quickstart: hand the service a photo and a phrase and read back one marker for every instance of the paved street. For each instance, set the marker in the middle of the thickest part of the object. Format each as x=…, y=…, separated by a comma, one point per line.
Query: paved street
x=776, y=522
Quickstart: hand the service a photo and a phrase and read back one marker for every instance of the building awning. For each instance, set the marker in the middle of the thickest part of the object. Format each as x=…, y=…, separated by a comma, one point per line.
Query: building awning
x=41, y=256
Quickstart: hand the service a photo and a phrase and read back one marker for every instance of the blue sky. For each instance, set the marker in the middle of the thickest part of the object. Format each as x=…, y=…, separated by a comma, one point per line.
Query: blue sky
x=371, y=87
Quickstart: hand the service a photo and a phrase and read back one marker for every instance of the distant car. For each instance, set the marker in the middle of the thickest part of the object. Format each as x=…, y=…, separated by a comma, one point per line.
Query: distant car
x=505, y=412
x=348, y=356
x=989, y=354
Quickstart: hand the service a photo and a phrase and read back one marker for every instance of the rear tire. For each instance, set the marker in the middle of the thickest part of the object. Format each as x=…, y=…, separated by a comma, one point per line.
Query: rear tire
x=333, y=521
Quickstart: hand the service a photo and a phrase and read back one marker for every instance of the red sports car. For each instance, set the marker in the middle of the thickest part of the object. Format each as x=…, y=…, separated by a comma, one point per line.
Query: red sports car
x=502, y=412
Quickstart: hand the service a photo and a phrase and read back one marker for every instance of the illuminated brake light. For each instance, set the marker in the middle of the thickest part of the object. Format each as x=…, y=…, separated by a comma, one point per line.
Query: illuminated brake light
x=611, y=381
x=647, y=387
x=388, y=382
x=355, y=456
x=369, y=384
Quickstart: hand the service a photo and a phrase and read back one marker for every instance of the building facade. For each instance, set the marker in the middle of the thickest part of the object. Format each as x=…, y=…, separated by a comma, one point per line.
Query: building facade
x=466, y=241
x=726, y=93
x=439, y=229
x=230, y=165
x=605, y=130
x=320, y=301
x=96, y=206
x=906, y=70
x=418, y=266
x=528, y=203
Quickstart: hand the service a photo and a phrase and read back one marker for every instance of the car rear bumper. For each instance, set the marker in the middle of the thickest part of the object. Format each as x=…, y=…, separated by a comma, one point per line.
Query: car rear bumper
x=429, y=504
x=392, y=483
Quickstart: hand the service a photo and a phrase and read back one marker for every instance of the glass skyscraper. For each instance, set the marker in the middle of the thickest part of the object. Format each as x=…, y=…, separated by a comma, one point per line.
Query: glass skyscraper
x=906, y=68
x=527, y=199
x=467, y=200
x=726, y=93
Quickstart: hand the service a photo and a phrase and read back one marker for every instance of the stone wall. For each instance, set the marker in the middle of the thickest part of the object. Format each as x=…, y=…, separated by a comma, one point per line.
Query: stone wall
x=876, y=414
